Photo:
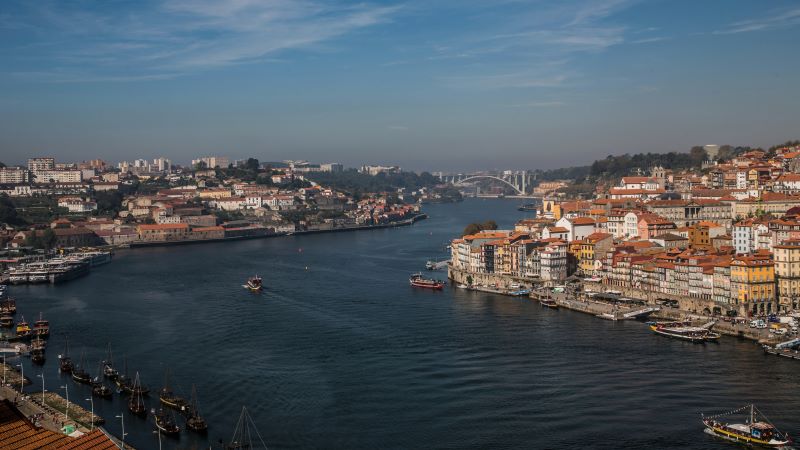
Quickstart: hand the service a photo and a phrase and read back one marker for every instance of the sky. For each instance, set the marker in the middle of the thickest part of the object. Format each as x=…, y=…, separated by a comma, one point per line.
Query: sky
x=424, y=84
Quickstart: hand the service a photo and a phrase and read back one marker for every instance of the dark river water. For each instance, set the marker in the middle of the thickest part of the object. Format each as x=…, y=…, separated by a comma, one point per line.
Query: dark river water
x=340, y=352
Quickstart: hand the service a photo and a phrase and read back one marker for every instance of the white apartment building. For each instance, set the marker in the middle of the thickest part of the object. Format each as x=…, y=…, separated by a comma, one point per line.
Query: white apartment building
x=14, y=175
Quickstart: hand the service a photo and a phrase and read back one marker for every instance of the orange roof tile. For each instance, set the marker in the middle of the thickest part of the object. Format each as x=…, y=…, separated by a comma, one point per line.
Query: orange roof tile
x=18, y=433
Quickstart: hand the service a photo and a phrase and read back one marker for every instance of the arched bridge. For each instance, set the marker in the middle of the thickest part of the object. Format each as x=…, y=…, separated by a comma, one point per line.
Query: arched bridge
x=519, y=181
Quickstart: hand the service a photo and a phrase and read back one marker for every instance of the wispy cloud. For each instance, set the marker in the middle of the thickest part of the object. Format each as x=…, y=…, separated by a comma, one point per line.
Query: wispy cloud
x=176, y=37
x=649, y=40
x=525, y=79
x=539, y=104
x=523, y=50
x=783, y=19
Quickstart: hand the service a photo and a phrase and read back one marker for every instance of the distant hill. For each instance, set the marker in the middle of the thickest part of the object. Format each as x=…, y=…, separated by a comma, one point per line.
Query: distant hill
x=613, y=167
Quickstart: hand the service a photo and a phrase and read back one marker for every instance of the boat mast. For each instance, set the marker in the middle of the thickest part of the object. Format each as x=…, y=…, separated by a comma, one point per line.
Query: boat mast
x=752, y=418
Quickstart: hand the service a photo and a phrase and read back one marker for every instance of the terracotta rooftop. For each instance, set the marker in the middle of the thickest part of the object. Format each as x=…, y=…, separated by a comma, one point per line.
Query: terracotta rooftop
x=16, y=432
x=164, y=226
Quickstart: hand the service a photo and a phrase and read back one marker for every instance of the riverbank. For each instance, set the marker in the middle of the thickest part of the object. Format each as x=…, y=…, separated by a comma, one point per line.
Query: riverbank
x=508, y=285
x=400, y=223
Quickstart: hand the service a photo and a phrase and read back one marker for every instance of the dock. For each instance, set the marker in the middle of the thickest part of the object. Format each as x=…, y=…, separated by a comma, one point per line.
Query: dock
x=784, y=352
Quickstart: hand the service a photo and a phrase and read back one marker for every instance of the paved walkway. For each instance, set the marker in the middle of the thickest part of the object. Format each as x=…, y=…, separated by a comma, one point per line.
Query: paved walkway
x=29, y=405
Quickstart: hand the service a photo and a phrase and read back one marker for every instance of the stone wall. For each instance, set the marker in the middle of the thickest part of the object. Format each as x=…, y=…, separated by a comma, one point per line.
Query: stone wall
x=486, y=279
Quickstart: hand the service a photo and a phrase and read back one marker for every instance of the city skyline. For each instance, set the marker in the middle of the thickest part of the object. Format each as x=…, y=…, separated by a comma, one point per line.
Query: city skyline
x=453, y=86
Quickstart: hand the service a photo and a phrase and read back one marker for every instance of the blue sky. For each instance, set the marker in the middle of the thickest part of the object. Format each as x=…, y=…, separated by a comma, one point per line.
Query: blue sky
x=436, y=84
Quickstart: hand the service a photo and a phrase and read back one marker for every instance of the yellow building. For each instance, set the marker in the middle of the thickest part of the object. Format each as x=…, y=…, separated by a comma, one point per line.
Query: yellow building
x=753, y=283
x=587, y=250
x=787, y=272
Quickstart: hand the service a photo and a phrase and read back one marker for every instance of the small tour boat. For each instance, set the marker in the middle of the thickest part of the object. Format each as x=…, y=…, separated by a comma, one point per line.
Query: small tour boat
x=41, y=327
x=168, y=398
x=6, y=321
x=38, y=344
x=128, y=386
x=549, y=302
x=108, y=365
x=165, y=422
x=37, y=357
x=8, y=306
x=686, y=333
x=79, y=373
x=254, y=284
x=417, y=280
x=23, y=329
x=65, y=363
x=37, y=350
x=754, y=431
x=99, y=388
x=194, y=421
x=136, y=403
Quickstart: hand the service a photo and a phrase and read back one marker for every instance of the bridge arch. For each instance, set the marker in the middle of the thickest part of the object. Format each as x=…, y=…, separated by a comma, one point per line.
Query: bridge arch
x=476, y=177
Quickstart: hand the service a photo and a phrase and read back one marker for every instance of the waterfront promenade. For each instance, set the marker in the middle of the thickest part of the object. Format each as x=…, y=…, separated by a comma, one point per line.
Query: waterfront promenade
x=575, y=298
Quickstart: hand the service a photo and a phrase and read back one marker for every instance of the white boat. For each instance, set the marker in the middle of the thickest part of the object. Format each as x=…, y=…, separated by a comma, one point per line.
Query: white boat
x=686, y=333
x=755, y=431
x=37, y=277
x=18, y=277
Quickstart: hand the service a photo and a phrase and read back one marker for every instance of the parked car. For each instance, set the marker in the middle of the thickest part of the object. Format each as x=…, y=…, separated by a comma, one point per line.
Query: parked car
x=758, y=323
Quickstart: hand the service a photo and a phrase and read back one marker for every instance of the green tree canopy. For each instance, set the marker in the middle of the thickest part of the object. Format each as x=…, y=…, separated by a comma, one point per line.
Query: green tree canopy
x=478, y=227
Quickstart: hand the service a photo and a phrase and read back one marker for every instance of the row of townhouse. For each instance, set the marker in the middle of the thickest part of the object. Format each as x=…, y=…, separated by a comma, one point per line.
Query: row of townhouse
x=511, y=253
x=724, y=283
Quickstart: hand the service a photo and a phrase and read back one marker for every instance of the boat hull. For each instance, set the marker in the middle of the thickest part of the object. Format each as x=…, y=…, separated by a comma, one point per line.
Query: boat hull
x=433, y=286
x=722, y=433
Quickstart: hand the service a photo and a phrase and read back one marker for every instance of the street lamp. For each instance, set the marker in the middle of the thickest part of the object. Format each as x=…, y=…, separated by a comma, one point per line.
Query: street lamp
x=122, y=440
x=66, y=410
x=21, y=378
x=91, y=401
x=42, y=377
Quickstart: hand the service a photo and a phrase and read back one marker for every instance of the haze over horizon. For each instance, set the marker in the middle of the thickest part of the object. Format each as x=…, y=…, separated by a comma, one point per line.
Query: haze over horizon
x=447, y=85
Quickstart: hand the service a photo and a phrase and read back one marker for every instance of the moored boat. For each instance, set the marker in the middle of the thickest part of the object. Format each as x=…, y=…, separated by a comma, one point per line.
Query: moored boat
x=41, y=327
x=38, y=346
x=99, y=388
x=194, y=421
x=549, y=302
x=8, y=306
x=686, y=333
x=755, y=430
x=37, y=357
x=23, y=329
x=136, y=402
x=79, y=373
x=417, y=280
x=168, y=398
x=65, y=363
x=165, y=422
x=254, y=284
x=6, y=321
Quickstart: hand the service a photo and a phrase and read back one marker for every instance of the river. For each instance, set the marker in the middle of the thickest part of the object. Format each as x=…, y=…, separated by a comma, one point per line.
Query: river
x=340, y=352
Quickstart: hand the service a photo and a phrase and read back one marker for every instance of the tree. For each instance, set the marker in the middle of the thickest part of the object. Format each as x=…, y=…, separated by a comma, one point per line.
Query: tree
x=200, y=165
x=48, y=239
x=108, y=202
x=252, y=165
x=8, y=211
x=478, y=227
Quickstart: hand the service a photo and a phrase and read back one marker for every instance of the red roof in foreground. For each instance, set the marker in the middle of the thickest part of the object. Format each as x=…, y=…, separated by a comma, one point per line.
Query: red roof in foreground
x=18, y=433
